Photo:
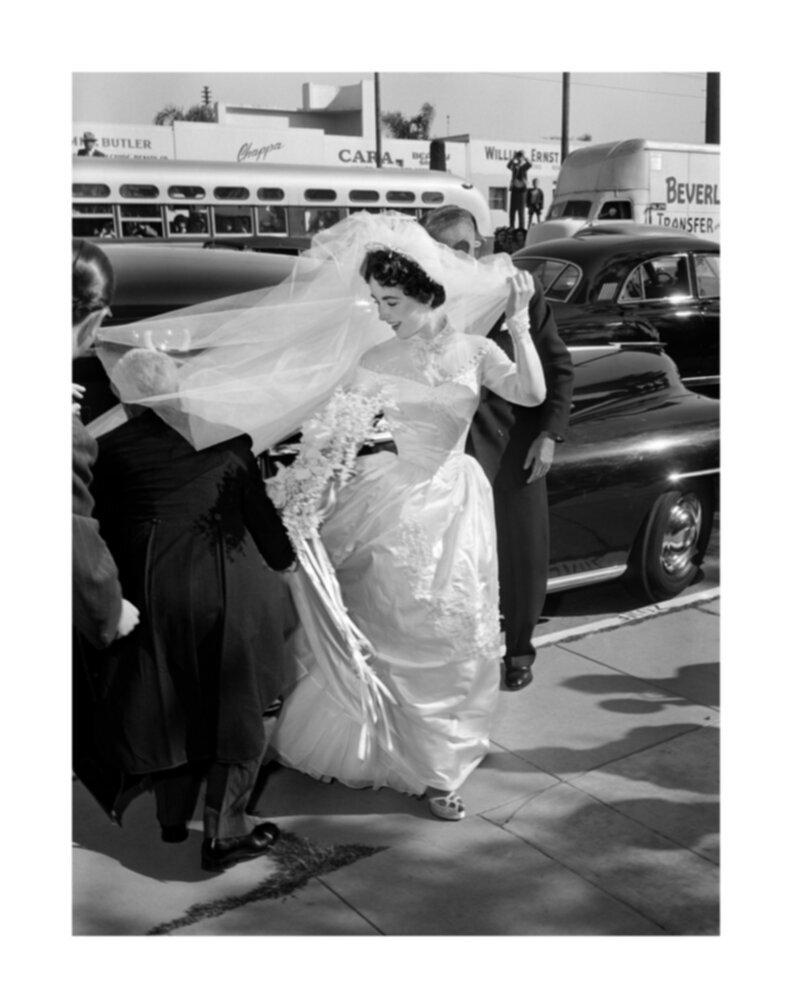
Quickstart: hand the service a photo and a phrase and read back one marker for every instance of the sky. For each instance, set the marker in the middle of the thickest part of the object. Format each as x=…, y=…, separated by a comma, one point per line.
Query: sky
x=495, y=106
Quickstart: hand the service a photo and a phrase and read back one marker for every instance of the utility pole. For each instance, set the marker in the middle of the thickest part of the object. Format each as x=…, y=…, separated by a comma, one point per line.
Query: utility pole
x=712, y=125
x=207, y=95
x=564, y=116
x=377, y=125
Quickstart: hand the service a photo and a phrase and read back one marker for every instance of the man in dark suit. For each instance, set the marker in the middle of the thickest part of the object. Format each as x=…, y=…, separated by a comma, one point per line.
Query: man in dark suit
x=89, y=148
x=519, y=167
x=515, y=446
x=99, y=613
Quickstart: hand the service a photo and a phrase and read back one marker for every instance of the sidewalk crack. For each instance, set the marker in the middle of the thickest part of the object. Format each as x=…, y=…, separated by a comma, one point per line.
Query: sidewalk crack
x=354, y=909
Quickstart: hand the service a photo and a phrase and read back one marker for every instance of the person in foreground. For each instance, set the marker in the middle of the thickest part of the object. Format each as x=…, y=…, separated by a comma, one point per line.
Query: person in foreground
x=100, y=614
x=412, y=540
x=186, y=695
x=515, y=445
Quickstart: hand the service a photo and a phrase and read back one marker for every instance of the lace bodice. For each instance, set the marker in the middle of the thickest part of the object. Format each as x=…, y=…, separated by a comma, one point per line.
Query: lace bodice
x=432, y=386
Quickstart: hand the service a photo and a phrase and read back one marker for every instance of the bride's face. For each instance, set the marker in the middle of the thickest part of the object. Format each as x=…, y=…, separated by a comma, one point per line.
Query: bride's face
x=403, y=314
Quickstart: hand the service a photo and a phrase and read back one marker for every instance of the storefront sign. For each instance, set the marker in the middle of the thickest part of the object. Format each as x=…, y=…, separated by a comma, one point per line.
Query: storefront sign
x=490, y=157
x=355, y=152
x=247, y=144
x=126, y=141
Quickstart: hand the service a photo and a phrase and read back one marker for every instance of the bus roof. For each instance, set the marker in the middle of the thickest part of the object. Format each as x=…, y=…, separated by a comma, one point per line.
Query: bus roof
x=157, y=167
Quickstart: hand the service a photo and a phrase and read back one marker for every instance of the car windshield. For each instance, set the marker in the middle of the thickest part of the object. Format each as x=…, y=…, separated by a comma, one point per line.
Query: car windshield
x=570, y=208
x=558, y=278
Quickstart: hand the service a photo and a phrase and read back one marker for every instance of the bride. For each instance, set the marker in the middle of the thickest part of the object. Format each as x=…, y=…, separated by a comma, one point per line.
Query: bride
x=412, y=535
x=412, y=540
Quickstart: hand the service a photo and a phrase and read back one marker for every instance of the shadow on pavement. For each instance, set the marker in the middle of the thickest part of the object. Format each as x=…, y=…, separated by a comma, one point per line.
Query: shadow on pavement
x=136, y=845
x=563, y=760
x=283, y=792
x=700, y=681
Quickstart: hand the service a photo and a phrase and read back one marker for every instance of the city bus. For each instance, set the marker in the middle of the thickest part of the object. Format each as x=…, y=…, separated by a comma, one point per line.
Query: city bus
x=270, y=207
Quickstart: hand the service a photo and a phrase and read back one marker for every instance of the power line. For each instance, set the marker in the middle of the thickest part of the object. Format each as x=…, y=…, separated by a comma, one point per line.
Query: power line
x=609, y=87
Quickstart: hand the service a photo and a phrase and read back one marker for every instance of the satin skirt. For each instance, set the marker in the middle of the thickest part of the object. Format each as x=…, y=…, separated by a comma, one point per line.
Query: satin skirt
x=415, y=555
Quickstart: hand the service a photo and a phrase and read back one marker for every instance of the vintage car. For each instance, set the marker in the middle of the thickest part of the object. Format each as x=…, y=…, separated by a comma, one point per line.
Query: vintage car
x=634, y=486
x=651, y=284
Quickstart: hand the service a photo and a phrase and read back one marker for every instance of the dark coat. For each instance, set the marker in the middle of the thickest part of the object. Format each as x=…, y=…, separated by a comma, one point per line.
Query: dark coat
x=189, y=529
x=502, y=433
x=99, y=396
x=96, y=589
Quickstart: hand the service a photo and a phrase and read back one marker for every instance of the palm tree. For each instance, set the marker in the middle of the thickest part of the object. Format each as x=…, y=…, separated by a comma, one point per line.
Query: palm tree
x=416, y=128
x=168, y=115
x=174, y=113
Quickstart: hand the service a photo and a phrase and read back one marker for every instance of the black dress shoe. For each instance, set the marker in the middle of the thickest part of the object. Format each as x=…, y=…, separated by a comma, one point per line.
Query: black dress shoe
x=219, y=854
x=518, y=677
x=174, y=834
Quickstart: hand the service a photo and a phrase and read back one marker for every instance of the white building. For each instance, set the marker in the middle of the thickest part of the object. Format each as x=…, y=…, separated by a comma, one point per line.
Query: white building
x=334, y=127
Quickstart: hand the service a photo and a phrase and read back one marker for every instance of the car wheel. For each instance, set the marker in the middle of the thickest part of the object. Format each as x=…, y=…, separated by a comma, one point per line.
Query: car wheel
x=670, y=548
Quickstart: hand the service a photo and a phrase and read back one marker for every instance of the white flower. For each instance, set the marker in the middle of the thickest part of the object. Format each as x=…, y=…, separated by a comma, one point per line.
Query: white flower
x=328, y=450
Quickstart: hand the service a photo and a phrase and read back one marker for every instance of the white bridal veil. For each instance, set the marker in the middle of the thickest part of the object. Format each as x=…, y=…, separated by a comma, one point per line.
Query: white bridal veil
x=262, y=362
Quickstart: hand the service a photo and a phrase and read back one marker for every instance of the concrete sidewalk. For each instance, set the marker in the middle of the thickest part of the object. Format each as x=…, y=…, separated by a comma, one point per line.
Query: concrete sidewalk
x=596, y=813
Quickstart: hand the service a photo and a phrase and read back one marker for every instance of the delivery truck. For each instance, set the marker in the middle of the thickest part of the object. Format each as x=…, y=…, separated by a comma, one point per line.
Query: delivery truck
x=669, y=185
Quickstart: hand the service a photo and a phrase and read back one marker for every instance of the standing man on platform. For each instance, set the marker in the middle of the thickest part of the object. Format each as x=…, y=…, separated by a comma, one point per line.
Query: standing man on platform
x=515, y=446
x=518, y=188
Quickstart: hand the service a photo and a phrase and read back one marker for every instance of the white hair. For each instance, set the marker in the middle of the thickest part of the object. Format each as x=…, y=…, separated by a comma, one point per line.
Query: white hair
x=142, y=373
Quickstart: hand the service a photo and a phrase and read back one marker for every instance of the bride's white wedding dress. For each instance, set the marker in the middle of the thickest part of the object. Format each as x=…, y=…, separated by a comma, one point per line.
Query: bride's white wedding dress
x=412, y=539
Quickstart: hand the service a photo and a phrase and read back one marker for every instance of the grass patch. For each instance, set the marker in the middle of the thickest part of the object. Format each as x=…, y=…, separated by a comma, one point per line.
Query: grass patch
x=298, y=860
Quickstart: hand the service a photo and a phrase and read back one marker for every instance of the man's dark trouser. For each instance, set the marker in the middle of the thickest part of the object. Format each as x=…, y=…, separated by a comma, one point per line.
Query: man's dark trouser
x=534, y=213
x=522, y=523
x=517, y=207
x=228, y=790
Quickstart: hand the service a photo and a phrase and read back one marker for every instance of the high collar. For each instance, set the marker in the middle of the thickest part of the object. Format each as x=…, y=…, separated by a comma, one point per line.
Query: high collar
x=434, y=341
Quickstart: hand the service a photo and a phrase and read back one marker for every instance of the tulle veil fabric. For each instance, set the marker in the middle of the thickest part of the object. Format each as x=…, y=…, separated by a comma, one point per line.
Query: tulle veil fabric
x=262, y=362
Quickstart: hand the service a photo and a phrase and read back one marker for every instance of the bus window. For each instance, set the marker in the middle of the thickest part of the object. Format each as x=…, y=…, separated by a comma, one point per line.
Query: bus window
x=140, y=220
x=321, y=218
x=92, y=220
x=322, y=195
x=233, y=220
x=616, y=210
x=400, y=196
x=366, y=209
x=265, y=195
x=231, y=192
x=90, y=189
x=364, y=195
x=190, y=192
x=139, y=191
x=432, y=197
x=183, y=219
x=271, y=220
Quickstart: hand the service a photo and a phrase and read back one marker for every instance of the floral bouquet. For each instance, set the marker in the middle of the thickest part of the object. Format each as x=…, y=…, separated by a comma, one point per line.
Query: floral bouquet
x=304, y=493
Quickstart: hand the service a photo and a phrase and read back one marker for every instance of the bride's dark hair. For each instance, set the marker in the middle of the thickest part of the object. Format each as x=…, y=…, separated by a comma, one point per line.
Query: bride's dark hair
x=395, y=269
x=92, y=280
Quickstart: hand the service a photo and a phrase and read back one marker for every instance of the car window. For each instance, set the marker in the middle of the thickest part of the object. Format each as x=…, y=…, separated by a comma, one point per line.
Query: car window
x=558, y=278
x=707, y=275
x=576, y=208
x=616, y=210
x=657, y=279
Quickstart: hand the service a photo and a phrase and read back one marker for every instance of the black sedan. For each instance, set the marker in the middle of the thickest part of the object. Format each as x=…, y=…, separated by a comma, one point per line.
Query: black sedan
x=633, y=488
x=647, y=285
